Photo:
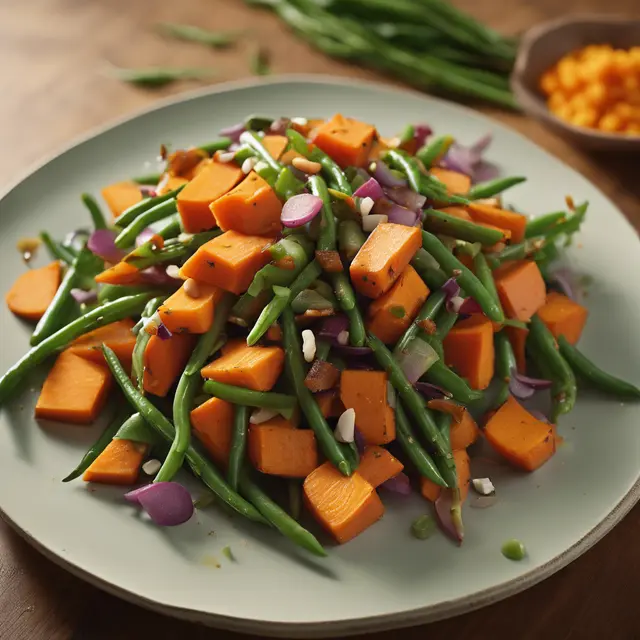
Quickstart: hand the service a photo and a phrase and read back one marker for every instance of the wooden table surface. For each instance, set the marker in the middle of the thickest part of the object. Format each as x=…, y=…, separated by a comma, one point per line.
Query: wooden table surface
x=54, y=55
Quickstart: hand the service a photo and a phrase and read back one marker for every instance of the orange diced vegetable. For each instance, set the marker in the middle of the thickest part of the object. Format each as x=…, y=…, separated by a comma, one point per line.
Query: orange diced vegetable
x=431, y=491
x=75, y=390
x=169, y=183
x=275, y=145
x=346, y=140
x=256, y=368
x=377, y=465
x=501, y=218
x=518, y=339
x=330, y=403
x=121, y=195
x=464, y=433
x=521, y=288
x=181, y=313
x=456, y=183
x=394, y=311
x=212, y=423
x=164, y=361
x=229, y=261
x=213, y=181
x=116, y=336
x=523, y=440
x=119, y=463
x=468, y=348
x=366, y=393
x=120, y=273
x=32, y=292
x=457, y=212
x=252, y=208
x=282, y=451
x=563, y=316
x=344, y=506
x=383, y=257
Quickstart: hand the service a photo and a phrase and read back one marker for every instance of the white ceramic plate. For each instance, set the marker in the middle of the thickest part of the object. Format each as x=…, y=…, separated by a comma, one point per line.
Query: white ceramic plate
x=384, y=578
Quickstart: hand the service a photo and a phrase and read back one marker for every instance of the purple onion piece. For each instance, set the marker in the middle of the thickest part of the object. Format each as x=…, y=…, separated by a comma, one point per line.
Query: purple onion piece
x=348, y=350
x=406, y=197
x=431, y=391
x=563, y=278
x=484, y=171
x=463, y=306
x=279, y=126
x=449, y=515
x=158, y=275
x=395, y=213
x=539, y=416
x=163, y=332
x=300, y=209
x=384, y=176
x=520, y=390
x=233, y=132
x=361, y=443
x=420, y=133
x=398, y=484
x=466, y=159
x=83, y=297
x=144, y=236
x=451, y=289
x=102, y=243
x=370, y=189
x=148, y=190
x=416, y=360
x=333, y=326
x=537, y=384
x=167, y=503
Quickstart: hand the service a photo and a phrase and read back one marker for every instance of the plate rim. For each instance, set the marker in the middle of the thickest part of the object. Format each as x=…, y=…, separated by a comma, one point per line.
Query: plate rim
x=383, y=622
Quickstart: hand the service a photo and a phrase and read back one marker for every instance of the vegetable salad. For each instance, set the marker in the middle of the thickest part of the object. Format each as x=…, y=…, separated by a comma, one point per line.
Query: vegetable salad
x=309, y=300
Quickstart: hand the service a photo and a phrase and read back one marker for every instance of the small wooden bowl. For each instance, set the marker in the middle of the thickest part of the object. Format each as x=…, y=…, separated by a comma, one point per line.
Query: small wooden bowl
x=543, y=45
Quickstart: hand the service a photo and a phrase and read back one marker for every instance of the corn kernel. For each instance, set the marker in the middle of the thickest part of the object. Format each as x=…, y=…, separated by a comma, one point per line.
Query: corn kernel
x=610, y=122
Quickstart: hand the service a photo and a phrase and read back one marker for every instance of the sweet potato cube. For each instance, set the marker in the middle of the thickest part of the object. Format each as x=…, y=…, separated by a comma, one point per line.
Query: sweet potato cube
x=563, y=316
x=468, y=348
x=120, y=273
x=346, y=140
x=519, y=437
x=521, y=288
x=366, y=393
x=32, y=292
x=377, y=466
x=330, y=403
x=118, y=464
x=344, y=506
x=181, y=313
x=282, y=451
x=464, y=433
x=75, y=390
x=383, y=257
x=431, y=491
x=394, y=311
x=121, y=195
x=213, y=181
x=256, y=368
x=229, y=261
x=457, y=183
x=212, y=423
x=275, y=145
x=117, y=336
x=169, y=183
x=501, y=218
x=164, y=361
x=518, y=339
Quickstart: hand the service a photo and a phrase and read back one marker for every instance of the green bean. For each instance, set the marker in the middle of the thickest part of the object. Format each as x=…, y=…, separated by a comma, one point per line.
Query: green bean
x=513, y=550
x=296, y=375
x=427, y=312
x=544, y=345
x=286, y=525
x=505, y=365
x=327, y=237
x=444, y=323
x=99, y=221
x=306, y=277
x=323, y=347
x=599, y=379
x=570, y=225
x=415, y=404
x=270, y=314
x=238, y=445
x=172, y=228
x=248, y=308
x=423, y=527
x=428, y=269
x=217, y=145
x=485, y=275
x=287, y=185
x=136, y=429
x=159, y=76
x=350, y=238
x=100, y=444
x=201, y=467
x=109, y=292
x=128, y=235
x=137, y=209
x=432, y=152
x=441, y=222
x=442, y=376
x=281, y=402
x=493, y=187
x=149, y=178
x=252, y=140
x=258, y=122
x=57, y=250
x=541, y=224
x=466, y=279
x=56, y=314
x=271, y=275
x=329, y=166
x=310, y=300
x=413, y=449
x=357, y=331
x=142, y=340
x=443, y=422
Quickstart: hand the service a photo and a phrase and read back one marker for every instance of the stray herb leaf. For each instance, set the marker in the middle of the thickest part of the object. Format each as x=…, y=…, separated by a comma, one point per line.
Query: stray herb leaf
x=160, y=76
x=260, y=62
x=191, y=33
x=226, y=551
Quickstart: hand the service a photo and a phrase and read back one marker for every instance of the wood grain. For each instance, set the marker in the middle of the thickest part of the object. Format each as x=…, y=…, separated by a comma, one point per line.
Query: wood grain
x=54, y=84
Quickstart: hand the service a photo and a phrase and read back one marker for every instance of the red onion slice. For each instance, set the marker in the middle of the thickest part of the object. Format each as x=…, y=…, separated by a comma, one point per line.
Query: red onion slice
x=523, y=387
x=466, y=159
x=233, y=132
x=416, y=360
x=102, y=243
x=158, y=275
x=563, y=278
x=163, y=332
x=398, y=484
x=395, y=213
x=144, y=236
x=406, y=197
x=451, y=289
x=465, y=306
x=383, y=175
x=167, y=503
x=431, y=391
x=370, y=189
x=83, y=297
x=300, y=209
x=332, y=327
x=420, y=134
x=449, y=512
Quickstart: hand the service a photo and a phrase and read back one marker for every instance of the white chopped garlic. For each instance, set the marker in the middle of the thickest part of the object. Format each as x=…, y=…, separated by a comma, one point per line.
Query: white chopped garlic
x=343, y=338
x=259, y=166
x=191, y=288
x=369, y=223
x=308, y=166
x=346, y=427
x=185, y=237
x=173, y=271
x=248, y=165
x=308, y=345
x=483, y=486
x=151, y=467
x=301, y=122
x=262, y=415
x=227, y=156
x=366, y=204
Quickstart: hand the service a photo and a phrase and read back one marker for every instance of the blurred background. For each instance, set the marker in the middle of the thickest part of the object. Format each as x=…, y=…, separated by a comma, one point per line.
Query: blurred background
x=71, y=65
